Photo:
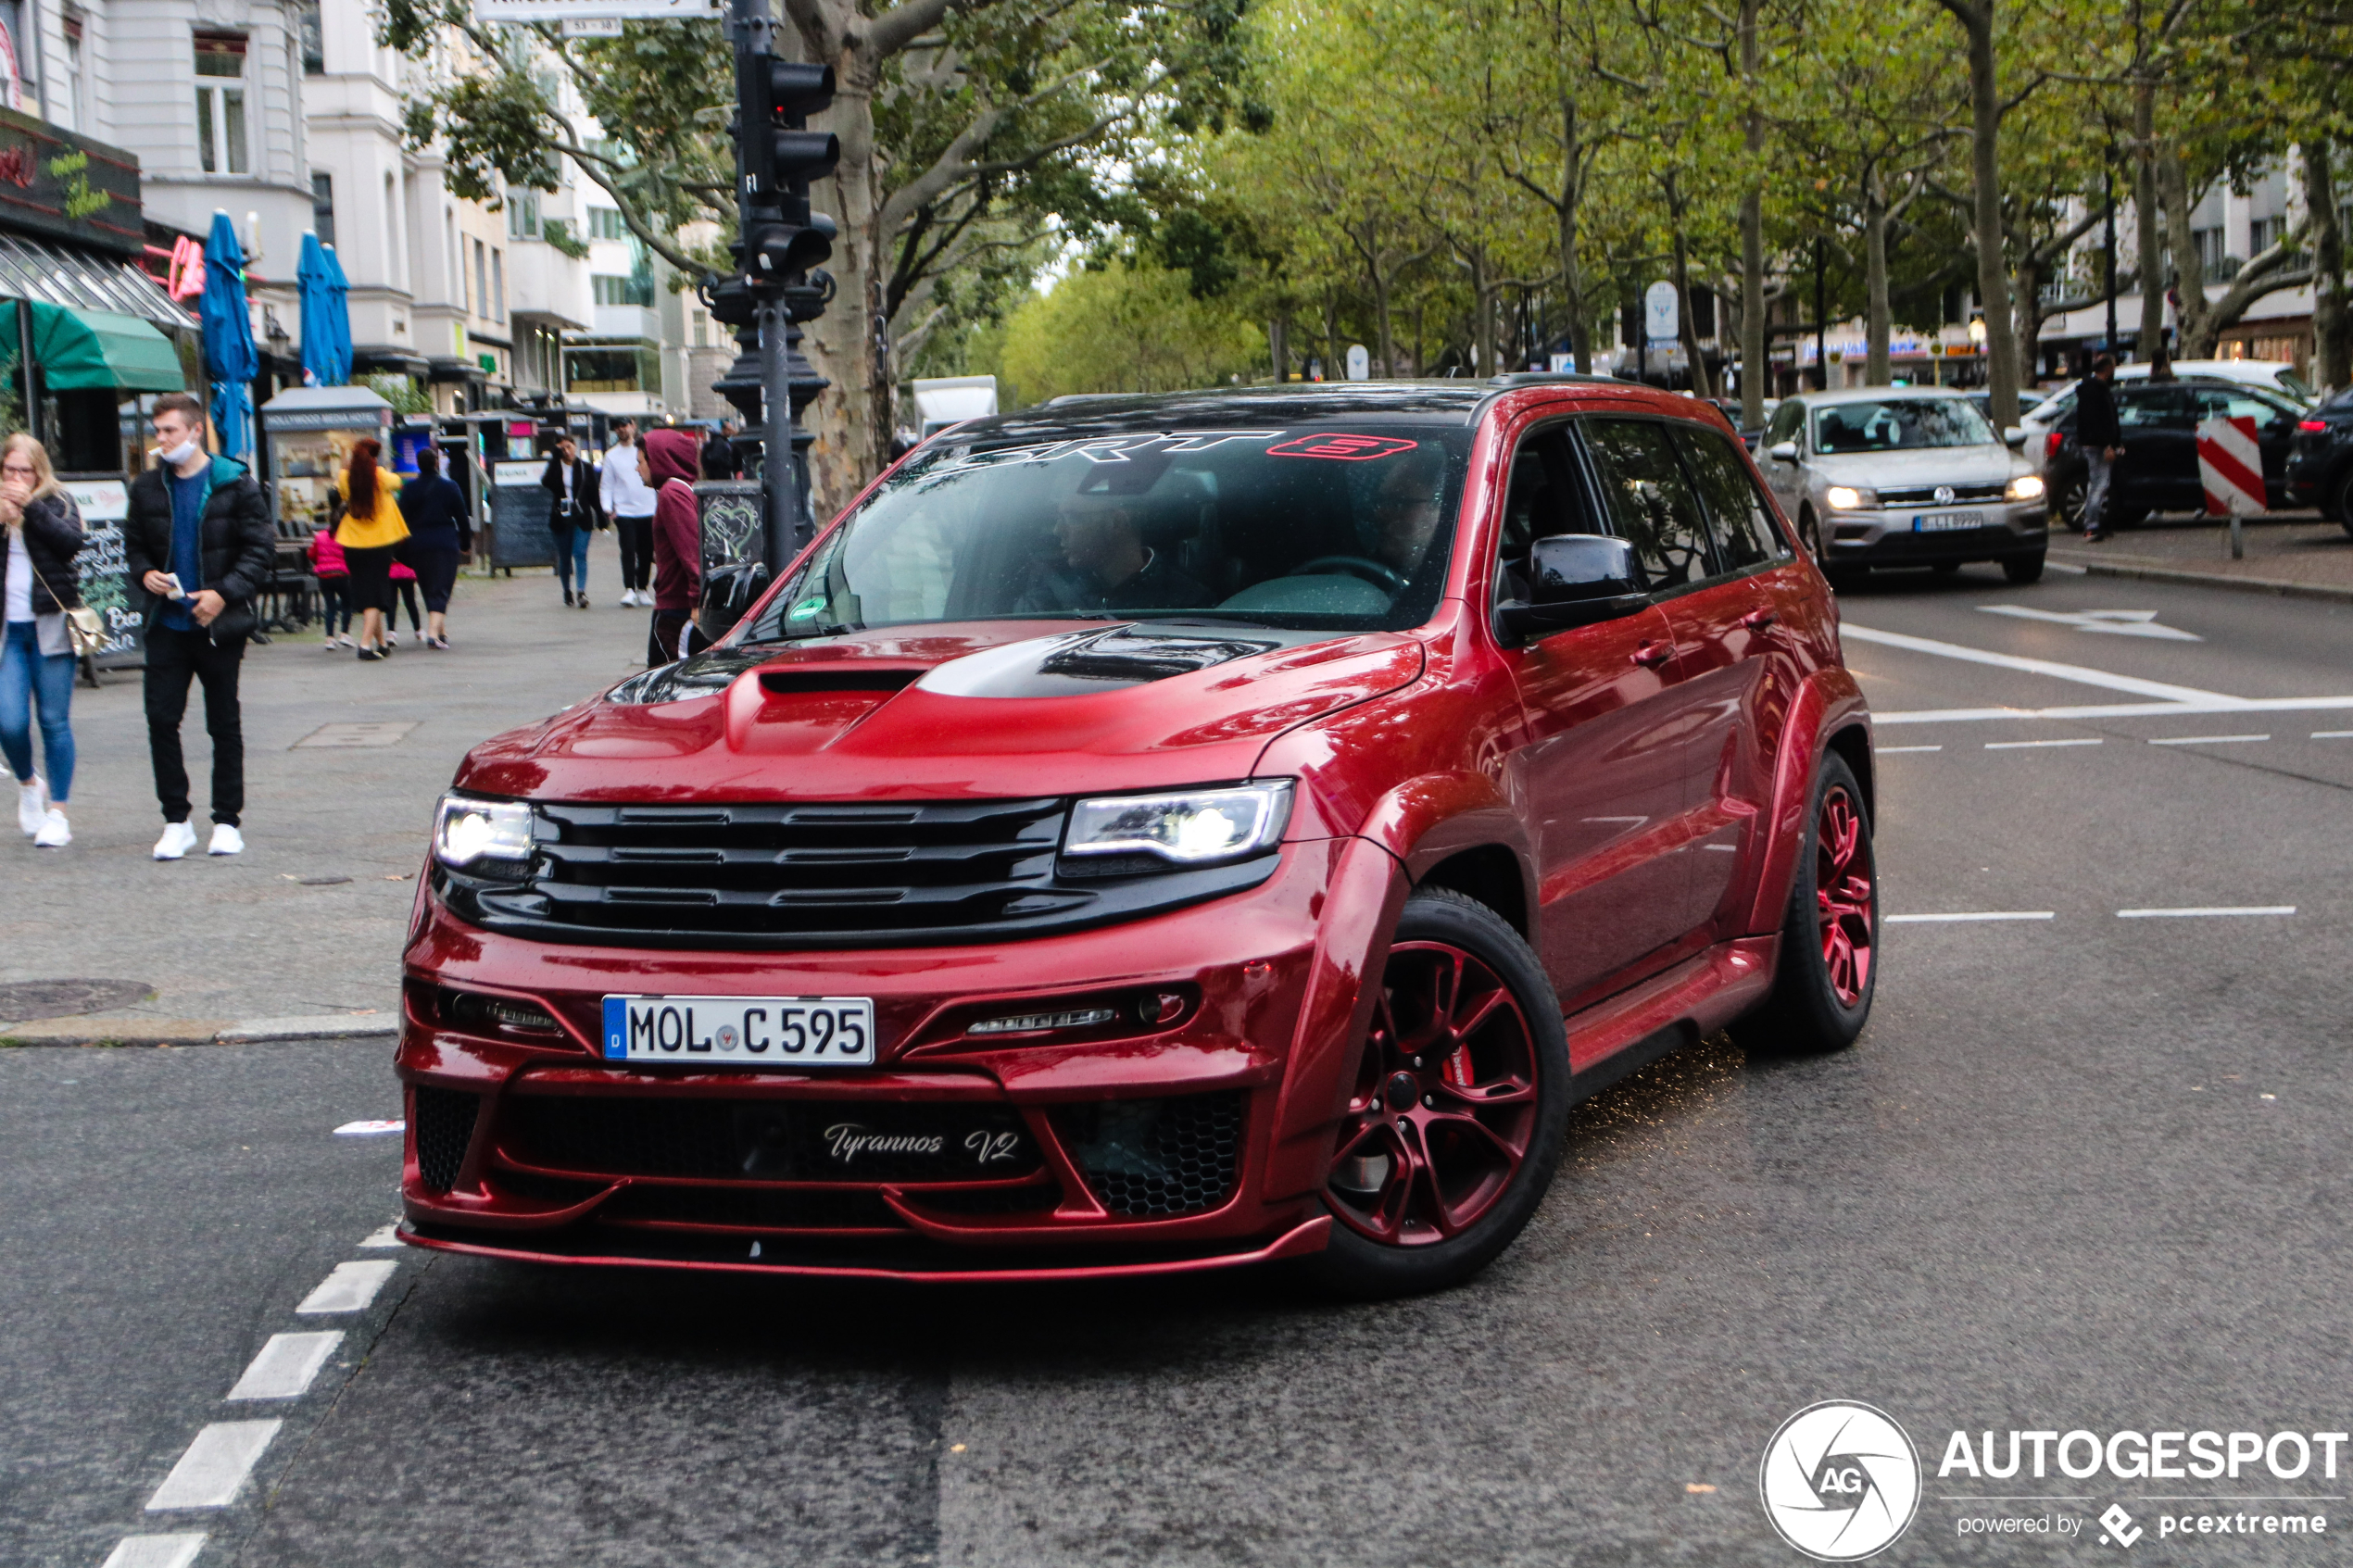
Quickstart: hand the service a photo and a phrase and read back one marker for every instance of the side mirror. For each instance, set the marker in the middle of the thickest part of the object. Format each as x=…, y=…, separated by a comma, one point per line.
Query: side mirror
x=2014, y=436
x=1783, y=452
x=1573, y=579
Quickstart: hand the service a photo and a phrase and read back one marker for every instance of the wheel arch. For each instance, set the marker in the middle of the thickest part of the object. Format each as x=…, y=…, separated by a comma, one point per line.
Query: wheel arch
x=1828, y=714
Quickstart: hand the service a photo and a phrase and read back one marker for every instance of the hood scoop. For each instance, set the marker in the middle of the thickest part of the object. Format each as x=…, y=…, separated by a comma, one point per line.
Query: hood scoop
x=837, y=680
x=1089, y=663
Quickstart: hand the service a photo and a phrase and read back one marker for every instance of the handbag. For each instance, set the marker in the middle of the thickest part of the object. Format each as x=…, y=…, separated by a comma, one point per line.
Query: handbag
x=83, y=629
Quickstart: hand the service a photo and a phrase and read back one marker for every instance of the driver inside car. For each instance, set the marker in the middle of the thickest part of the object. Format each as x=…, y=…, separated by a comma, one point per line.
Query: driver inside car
x=1405, y=509
x=1106, y=565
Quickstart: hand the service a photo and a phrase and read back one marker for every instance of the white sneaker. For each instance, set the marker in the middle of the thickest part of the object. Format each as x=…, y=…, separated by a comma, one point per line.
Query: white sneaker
x=177, y=840
x=392, y=638
x=226, y=840
x=33, y=801
x=55, y=833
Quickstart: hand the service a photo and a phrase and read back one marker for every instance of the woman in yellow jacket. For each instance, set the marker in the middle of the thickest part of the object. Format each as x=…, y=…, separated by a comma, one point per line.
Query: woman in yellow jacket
x=370, y=531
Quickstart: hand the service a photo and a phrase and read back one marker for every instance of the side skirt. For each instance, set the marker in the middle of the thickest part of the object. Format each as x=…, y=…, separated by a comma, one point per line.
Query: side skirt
x=1614, y=1038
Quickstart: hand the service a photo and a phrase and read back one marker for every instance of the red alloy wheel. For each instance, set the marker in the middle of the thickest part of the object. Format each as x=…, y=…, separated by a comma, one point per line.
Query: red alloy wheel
x=1444, y=1105
x=1844, y=894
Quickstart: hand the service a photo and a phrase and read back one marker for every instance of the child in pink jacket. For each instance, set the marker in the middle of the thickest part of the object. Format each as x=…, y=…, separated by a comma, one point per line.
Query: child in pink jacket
x=335, y=585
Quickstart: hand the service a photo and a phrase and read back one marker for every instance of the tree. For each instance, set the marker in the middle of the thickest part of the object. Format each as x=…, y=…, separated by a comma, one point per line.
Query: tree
x=1124, y=327
x=1976, y=19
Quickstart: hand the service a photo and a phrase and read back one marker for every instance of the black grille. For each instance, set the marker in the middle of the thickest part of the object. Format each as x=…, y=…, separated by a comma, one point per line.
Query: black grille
x=799, y=876
x=444, y=1126
x=1925, y=495
x=753, y=1208
x=1152, y=1159
x=768, y=1139
x=1029, y=1199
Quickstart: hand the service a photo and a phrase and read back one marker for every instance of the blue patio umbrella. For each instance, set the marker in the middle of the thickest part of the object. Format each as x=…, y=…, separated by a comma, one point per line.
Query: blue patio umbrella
x=339, y=314
x=230, y=358
x=317, y=294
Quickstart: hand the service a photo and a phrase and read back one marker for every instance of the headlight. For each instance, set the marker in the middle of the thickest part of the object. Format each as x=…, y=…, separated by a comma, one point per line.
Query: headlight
x=1846, y=498
x=2025, y=487
x=1194, y=828
x=467, y=829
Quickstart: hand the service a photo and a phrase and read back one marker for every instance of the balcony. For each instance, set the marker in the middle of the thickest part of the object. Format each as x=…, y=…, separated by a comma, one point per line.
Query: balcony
x=626, y=321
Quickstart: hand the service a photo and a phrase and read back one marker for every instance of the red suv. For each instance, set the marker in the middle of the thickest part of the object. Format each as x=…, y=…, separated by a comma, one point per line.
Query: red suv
x=1146, y=835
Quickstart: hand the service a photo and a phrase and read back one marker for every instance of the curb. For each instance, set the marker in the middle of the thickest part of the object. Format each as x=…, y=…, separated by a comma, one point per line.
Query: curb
x=169, y=1032
x=2273, y=585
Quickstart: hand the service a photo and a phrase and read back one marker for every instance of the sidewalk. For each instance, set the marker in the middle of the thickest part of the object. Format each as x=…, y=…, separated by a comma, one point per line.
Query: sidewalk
x=2295, y=554
x=302, y=932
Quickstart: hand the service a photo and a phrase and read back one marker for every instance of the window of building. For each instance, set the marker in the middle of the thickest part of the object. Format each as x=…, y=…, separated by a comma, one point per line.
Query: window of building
x=482, y=279
x=314, y=47
x=323, y=206
x=2263, y=233
x=69, y=83
x=523, y=213
x=612, y=290
x=604, y=223
x=498, y=283
x=396, y=253
x=703, y=330
x=221, y=102
x=2211, y=262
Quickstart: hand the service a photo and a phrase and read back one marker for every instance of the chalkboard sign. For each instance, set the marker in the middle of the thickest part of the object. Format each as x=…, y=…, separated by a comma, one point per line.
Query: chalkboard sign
x=103, y=572
x=732, y=543
x=519, y=510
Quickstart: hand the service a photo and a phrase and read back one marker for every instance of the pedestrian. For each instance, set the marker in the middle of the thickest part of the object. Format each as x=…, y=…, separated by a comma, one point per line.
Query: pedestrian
x=404, y=592
x=2102, y=440
x=36, y=660
x=371, y=533
x=439, y=532
x=197, y=539
x=335, y=586
x=719, y=457
x=573, y=513
x=677, y=542
x=629, y=501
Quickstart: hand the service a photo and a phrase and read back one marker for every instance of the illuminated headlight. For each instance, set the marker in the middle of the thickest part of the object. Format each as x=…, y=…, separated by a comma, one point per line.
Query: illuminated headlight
x=1195, y=828
x=467, y=830
x=1846, y=498
x=2025, y=487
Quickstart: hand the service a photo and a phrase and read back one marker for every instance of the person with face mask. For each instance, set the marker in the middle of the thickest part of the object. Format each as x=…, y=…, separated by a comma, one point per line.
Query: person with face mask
x=199, y=546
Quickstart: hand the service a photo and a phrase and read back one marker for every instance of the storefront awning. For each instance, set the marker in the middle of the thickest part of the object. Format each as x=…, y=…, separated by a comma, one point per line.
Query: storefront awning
x=80, y=279
x=79, y=350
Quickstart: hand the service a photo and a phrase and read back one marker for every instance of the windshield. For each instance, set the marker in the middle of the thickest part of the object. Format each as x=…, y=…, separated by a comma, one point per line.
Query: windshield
x=1901, y=424
x=1314, y=527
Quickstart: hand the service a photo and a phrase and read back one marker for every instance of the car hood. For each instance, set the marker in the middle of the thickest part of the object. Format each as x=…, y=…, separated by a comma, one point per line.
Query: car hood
x=975, y=710
x=1935, y=465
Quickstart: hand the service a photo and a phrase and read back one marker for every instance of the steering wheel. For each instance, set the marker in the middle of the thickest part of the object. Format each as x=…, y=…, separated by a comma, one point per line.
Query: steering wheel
x=1371, y=571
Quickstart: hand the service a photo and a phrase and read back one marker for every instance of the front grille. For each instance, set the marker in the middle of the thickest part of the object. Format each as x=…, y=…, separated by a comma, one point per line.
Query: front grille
x=444, y=1126
x=815, y=875
x=1155, y=1158
x=768, y=1139
x=752, y=1208
x=1925, y=495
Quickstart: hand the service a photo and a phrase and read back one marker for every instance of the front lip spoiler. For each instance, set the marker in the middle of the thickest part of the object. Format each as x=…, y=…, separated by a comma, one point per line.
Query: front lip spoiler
x=1300, y=1241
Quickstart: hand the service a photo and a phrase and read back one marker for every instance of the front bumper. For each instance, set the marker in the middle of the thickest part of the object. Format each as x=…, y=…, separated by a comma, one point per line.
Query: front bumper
x=1890, y=537
x=1124, y=1149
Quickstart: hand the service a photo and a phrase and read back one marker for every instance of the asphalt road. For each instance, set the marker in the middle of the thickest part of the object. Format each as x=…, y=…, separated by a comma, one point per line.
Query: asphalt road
x=2083, y=1172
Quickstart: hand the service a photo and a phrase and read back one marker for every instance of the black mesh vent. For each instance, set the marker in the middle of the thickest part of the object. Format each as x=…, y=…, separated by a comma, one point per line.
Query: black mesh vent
x=767, y=1140
x=992, y=1200
x=1153, y=1159
x=754, y=1208
x=444, y=1126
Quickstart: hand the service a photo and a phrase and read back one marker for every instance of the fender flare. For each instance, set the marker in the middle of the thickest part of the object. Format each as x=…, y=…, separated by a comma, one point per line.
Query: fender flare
x=1827, y=703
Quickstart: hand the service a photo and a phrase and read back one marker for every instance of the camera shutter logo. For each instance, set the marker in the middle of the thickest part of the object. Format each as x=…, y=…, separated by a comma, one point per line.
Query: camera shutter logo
x=1839, y=1481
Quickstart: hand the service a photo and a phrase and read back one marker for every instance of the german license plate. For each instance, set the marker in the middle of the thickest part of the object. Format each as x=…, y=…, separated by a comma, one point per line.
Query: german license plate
x=1944, y=522
x=742, y=1031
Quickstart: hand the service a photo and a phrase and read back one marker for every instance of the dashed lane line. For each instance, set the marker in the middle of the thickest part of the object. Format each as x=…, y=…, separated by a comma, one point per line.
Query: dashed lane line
x=215, y=1465
x=2333, y=735
x=155, y=1552
x=2034, y=744
x=349, y=1289
x=1899, y=750
x=2117, y=710
x=1968, y=915
x=384, y=1235
x=2203, y=740
x=2080, y=674
x=2218, y=909
x=285, y=1368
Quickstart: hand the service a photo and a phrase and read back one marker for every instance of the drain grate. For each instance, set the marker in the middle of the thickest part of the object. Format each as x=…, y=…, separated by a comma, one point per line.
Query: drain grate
x=69, y=999
x=348, y=734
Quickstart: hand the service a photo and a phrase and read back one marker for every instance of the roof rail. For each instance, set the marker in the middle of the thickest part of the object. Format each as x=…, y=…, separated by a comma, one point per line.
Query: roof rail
x=1555, y=377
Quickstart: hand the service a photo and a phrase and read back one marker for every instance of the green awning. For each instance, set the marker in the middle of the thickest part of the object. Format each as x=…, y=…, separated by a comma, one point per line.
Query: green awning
x=79, y=350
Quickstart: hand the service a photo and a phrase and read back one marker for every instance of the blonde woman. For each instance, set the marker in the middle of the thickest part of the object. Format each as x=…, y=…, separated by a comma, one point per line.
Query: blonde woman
x=372, y=530
x=36, y=662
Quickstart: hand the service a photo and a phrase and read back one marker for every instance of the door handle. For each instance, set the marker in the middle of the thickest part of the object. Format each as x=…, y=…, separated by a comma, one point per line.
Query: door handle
x=1758, y=619
x=1651, y=655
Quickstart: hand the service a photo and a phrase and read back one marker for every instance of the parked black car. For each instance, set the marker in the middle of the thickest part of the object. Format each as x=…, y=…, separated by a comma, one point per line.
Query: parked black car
x=2320, y=464
x=2158, y=471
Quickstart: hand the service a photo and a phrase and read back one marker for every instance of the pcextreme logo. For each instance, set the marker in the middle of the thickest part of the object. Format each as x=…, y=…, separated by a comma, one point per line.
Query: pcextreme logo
x=1839, y=1481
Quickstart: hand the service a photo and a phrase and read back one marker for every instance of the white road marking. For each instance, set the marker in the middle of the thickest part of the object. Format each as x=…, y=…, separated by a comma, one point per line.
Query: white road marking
x=2115, y=622
x=155, y=1552
x=2333, y=735
x=2080, y=674
x=1897, y=750
x=2118, y=709
x=348, y=1289
x=2023, y=744
x=384, y=1235
x=2216, y=909
x=370, y=1129
x=286, y=1365
x=1970, y=915
x=2203, y=740
x=215, y=1465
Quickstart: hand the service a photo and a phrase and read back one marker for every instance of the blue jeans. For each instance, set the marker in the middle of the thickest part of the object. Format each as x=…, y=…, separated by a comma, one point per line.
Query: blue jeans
x=571, y=554
x=28, y=676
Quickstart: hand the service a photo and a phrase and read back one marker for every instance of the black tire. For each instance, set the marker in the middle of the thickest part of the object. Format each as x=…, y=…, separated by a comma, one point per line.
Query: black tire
x=1809, y=534
x=2066, y=504
x=1358, y=1264
x=2023, y=568
x=2343, y=491
x=1807, y=1012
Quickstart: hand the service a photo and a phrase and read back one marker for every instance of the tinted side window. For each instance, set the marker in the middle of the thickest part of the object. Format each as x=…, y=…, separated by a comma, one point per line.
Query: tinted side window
x=2154, y=407
x=1788, y=420
x=1737, y=517
x=2218, y=403
x=1651, y=502
x=1538, y=502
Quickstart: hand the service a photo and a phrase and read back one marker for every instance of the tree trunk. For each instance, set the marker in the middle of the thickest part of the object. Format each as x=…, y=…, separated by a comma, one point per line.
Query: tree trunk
x=852, y=419
x=1686, y=328
x=1387, y=367
x=2029, y=315
x=1878, y=318
x=2331, y=342
x=1278, y=349
x=2189, y=267
x=2145, y=219
x=1580, y=332
x=1976, y=18
x=1754, y=367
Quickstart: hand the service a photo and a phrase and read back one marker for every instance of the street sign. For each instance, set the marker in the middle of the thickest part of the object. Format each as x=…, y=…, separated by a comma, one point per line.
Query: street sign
x=564, y=10
x=1662, y=310
x=1360, y=363
x=2230, y=465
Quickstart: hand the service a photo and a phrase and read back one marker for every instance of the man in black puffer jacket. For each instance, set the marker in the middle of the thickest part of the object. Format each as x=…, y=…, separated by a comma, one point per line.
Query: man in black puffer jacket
x=201, y=520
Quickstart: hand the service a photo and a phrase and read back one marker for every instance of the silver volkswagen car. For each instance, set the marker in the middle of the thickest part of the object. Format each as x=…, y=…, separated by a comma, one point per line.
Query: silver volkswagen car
x=1904, y=476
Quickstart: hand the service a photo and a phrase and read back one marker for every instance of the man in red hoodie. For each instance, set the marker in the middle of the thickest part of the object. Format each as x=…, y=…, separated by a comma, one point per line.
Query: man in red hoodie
x=670, y=459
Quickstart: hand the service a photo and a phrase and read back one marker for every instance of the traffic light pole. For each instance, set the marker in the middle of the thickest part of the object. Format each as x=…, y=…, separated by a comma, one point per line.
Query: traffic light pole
x=754, y=36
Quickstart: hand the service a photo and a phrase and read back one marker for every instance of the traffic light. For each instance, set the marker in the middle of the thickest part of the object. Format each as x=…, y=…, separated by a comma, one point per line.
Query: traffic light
x=774, y=98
